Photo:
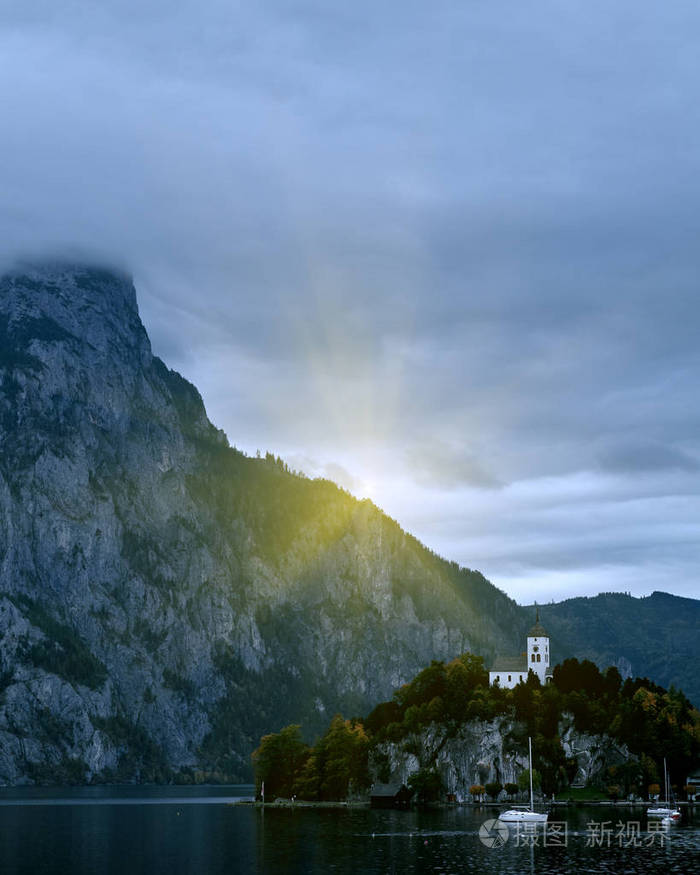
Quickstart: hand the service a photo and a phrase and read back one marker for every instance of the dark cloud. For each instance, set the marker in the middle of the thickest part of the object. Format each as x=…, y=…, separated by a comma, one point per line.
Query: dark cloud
x=636, y=457
x=439, y=247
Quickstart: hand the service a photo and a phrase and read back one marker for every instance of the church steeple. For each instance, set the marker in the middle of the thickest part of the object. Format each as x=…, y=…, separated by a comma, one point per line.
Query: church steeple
x=538, y=648
x=508, y=671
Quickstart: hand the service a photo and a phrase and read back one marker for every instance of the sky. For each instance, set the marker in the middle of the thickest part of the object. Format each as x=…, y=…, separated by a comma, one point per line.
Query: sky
x=444, y=254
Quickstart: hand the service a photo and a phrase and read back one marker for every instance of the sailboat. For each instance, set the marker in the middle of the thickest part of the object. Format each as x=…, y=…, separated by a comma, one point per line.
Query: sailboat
x=522, y=813
x=665, y=811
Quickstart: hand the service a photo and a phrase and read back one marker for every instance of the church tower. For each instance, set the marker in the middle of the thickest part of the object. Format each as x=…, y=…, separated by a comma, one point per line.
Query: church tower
x=509, y=671
x=538, y=651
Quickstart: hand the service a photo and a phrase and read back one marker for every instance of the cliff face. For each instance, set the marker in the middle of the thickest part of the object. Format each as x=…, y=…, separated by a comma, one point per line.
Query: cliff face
x=164, y=599
x=481, y=752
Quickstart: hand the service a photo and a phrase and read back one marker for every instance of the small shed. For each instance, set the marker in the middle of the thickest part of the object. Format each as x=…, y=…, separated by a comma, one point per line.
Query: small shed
x=390, y=796
x=693, y=781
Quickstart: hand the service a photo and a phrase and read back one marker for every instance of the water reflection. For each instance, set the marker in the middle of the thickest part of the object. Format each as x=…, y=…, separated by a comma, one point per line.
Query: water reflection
x=181, y=830
x=448, y=841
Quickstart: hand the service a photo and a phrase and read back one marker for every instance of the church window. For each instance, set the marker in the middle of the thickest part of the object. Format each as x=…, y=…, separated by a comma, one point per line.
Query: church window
x=538, y=657
x=533, y=657
x=509, y=677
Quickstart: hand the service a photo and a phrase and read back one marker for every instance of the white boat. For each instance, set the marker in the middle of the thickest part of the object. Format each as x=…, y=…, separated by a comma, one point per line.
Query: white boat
x=661, y=811
x=522, y=813
x=665, y=811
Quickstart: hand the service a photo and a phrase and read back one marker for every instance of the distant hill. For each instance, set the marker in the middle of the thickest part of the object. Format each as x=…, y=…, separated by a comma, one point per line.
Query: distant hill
x=656, y=637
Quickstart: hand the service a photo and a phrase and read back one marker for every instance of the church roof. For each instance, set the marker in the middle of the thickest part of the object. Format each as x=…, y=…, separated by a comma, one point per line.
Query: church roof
x=510, y=663
x=537, y=630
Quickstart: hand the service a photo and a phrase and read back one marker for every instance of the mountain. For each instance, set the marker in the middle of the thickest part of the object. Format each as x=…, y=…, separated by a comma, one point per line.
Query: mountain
x=164, y=599
x=654, y=637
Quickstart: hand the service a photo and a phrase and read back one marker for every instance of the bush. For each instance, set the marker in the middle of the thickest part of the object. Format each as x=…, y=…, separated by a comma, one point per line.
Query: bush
x=493, y=789
x=427, y=784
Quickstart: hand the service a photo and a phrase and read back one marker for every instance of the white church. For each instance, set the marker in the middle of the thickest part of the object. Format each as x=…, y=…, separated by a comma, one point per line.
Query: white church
x=508, y=671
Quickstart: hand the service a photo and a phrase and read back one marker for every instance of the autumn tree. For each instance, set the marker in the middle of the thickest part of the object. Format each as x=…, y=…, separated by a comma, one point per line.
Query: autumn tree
x=340, y=760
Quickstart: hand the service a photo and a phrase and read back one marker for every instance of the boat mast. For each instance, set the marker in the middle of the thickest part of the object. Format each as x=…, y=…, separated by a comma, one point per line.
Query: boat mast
x=665, y=781
x=529, y=742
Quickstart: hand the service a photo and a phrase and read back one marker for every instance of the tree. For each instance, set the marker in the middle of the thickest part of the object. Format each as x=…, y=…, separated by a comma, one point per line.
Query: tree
x=524, y=780
x=511, y=789
x=463, y=676
x=384, y=714
x=526, y=698
x=493, y=789
x=613, y=682
x=307, y=784
x=342, y=759
x=572, y=675
x=426, y=685
x=279, y=760
x=477, y=791
x=427, y=784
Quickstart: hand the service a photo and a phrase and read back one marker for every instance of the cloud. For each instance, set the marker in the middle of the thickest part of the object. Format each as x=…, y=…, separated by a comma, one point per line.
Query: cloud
x=438, y=465
x=634, y=457
x=450, y=251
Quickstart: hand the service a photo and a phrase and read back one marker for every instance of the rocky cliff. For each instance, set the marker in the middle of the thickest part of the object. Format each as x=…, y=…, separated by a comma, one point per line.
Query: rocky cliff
x=164, y=599
x=481, y=752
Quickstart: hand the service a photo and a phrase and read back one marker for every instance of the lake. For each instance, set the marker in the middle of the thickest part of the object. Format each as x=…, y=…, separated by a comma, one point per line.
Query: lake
x=176, y=830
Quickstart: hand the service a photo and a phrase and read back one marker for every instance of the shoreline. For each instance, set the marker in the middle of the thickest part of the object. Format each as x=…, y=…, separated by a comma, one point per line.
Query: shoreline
x=301, y=803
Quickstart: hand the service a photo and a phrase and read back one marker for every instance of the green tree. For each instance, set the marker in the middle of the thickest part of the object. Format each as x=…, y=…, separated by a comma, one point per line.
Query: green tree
x=427, y=784
x=384, y=714
x=524, y=780
x=342, y=759
x=279, y=760
x=307, y=784
x=464, y=676
x=493, y=789
x=572, y=675
x=426, y=685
